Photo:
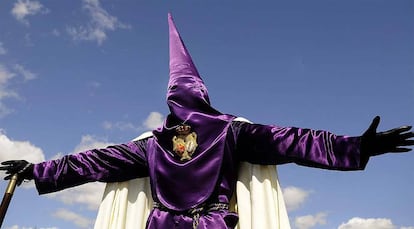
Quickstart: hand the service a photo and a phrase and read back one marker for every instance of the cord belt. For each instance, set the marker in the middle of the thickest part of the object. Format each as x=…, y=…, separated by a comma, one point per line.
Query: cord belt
x=196, y=211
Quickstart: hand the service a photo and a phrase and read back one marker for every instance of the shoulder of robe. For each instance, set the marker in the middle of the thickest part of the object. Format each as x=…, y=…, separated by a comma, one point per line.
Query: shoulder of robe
x=241, y=119
x=144, y=135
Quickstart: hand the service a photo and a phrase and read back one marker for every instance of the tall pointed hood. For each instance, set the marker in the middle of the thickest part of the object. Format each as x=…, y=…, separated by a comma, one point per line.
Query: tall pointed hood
x=187, y=96
x=189, y=105
x=186, y=90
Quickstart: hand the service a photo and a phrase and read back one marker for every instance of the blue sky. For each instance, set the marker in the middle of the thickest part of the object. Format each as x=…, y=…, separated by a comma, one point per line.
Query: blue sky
x=82, y=74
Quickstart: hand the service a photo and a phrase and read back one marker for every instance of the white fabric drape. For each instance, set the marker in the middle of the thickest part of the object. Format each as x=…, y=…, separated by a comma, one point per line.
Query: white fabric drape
x=260, y=201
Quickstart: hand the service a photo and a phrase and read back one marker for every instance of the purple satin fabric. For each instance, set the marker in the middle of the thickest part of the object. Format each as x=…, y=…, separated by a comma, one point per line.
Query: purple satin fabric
x=198, y=175
x=313, y=148
x=116, y=163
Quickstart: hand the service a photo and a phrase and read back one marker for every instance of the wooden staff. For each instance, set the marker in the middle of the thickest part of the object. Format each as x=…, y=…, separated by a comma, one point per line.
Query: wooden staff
x=7, y=197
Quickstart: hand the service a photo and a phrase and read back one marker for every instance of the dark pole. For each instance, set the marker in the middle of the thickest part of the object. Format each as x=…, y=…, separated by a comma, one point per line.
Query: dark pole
x=7, y=197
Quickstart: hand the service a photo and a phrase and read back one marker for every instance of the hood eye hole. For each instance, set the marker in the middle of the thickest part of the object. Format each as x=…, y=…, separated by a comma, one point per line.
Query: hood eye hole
x=173, y=87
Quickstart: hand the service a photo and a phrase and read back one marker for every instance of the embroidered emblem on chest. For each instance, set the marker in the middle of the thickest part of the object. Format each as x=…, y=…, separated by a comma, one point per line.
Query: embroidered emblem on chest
x=185, y=143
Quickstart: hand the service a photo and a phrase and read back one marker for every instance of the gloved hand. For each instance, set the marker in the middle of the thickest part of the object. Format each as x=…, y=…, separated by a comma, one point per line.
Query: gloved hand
x=396, y=140
x=22, y=168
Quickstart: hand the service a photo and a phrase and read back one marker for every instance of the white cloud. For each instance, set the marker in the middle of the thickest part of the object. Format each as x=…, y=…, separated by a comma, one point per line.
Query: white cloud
x=22, y=227
x=107, y=125
x=124, y=126
x=100, y=23
x=27, y=75
x=90, y=142
x=294, y=197
x=94, y=84
x=73, y=217
x=89, y=195
x=2, y=49
x=6, y=77
x=28, y=40
x=24, y=8
x=19, y=150
x=4, y=110
x=154, y=120
x=309, y=221
x=13, y=227
x=56, y=32
x=407, y=228
x=361, y=223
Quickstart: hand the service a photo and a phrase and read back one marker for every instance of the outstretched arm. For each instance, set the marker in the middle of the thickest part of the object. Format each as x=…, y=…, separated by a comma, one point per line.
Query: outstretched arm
x=114, y=163
x=264, y=144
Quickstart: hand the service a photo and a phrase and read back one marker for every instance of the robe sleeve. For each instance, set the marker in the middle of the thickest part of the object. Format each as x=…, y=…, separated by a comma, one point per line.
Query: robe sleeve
x=113, y=164
x=268, y=144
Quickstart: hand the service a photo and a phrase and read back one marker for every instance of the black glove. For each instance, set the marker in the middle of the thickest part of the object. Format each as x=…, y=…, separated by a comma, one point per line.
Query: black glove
x=22, y=168
x=390, y=141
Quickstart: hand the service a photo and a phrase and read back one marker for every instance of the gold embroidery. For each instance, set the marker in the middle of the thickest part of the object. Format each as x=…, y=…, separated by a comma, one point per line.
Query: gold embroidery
x=185, y=143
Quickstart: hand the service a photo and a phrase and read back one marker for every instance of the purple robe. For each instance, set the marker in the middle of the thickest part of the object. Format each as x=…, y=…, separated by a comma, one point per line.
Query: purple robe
x=209, y=177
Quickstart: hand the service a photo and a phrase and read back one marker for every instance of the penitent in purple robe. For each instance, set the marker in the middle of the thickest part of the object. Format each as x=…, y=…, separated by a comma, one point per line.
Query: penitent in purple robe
x=194, y=193
x=208, y=177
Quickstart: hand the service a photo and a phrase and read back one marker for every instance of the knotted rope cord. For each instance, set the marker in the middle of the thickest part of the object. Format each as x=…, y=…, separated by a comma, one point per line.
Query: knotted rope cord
x=196, y=212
